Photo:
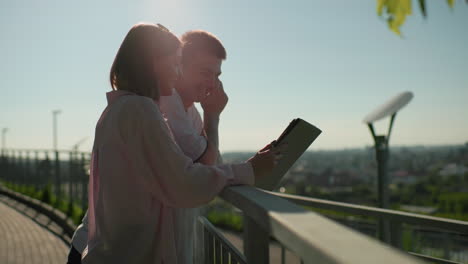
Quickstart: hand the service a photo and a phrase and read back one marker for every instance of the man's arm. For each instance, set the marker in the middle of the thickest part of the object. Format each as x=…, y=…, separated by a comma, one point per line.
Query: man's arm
x=211, y=129
x=211, y=155
x=213, y=105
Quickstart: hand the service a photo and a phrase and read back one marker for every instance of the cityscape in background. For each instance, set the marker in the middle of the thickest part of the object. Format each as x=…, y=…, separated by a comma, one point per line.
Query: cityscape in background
x=422, y=179
x=285, y=60
x=426, y=180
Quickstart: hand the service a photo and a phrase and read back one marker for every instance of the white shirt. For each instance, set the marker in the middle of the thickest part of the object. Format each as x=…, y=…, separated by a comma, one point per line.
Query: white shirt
x=138, y=177
x=186, y=126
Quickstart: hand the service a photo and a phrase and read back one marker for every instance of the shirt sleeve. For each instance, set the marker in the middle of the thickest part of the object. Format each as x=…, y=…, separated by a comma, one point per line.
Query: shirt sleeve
x=185, y=126
x=175, y=180
x=197, y=123
x=80, y=237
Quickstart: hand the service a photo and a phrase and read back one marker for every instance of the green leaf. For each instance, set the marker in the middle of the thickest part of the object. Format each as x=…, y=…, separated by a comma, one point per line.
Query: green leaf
x=396, y=12
x=451, y=3
x=380, y=6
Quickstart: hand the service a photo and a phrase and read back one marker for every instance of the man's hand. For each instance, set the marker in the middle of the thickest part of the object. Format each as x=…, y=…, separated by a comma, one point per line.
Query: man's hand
x=215, y=100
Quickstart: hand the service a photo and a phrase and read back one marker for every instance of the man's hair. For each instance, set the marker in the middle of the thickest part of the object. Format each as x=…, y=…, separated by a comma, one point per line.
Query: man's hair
x=200, y=41
x=133, y=67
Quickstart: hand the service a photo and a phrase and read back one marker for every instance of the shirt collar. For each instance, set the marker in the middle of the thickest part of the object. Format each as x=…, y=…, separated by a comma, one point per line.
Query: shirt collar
x=112, y=96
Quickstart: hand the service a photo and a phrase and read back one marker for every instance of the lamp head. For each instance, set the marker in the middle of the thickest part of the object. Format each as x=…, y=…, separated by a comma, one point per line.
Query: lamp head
x=389, y=108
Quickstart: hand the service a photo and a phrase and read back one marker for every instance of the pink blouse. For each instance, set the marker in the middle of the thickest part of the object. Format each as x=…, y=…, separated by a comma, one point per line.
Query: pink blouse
x=138, y=177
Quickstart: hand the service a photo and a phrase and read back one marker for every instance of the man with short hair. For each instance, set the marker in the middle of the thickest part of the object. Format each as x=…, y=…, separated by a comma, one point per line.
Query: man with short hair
x=202, y=56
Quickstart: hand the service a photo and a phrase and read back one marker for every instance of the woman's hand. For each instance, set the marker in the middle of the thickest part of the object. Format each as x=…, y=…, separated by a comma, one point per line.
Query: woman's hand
x=266, y=159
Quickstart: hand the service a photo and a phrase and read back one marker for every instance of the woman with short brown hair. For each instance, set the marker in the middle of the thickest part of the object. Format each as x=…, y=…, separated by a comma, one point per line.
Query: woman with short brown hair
x=138, y=173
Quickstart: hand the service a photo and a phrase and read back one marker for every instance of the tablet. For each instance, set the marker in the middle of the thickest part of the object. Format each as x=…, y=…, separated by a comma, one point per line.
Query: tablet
x=299, y=135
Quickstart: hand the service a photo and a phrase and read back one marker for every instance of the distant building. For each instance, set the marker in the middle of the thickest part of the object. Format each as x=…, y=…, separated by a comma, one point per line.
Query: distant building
x=453, y=169
x=402, y=176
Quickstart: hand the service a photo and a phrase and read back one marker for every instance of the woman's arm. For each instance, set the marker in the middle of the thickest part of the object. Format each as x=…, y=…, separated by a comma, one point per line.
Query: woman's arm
x=175, y=179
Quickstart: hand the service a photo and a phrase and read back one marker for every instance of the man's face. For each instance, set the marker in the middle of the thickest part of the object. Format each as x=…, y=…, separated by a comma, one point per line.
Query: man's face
x=200, y=76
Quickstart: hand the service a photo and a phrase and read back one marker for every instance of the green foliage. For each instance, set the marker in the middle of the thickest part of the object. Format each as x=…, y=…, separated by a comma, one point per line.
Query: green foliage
x=407, y=239
x=396, y=11
x=454, y=204
x=228, y=220
x=451, y=3
x=340, y=215
x=72, y=210
x=46, y=194
x=79, y=214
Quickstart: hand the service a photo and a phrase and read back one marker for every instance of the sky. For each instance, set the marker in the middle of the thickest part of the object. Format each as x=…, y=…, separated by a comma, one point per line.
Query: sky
x=328, y=62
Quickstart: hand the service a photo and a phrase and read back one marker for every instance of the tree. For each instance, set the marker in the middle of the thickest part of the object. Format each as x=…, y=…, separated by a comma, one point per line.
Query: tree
x=396, y=11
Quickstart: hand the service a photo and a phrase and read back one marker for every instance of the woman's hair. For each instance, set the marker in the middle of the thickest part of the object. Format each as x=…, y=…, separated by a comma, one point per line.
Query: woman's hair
x=133, y=66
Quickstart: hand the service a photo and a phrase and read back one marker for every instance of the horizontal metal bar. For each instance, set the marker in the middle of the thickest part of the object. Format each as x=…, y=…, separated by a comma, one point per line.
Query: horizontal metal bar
x=312, y=237
x=32, y=151
x=410, y=218
x=434, y=259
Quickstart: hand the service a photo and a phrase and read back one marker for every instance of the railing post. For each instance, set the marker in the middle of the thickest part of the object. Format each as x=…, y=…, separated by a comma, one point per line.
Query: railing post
x=71, y=174
x=28, y=169
x=256, y=242
x=209, y=247
x=57, y=175
x=10, y=166
x=36, y=174
x=4, y=165
x=395, y=234
x=200, y=244
x=20, y=169
x=446, y=242
x=283, y=255
x=14, y=162
x=84, y=183
x=4, y=175
x=47, y=169
x=383, y=228
x=217, y=251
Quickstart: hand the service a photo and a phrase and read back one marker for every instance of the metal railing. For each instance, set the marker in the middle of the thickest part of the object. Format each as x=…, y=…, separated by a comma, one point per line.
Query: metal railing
x=396, y=219
x=312, y=237
x=63, y=174
x=217, y=249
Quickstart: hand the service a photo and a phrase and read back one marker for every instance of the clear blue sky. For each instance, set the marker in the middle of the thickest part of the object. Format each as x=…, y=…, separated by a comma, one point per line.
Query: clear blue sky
x=328, y=62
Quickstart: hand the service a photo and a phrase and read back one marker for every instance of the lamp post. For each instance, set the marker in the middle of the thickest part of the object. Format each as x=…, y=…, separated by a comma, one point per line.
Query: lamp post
x=390, y=108
x=57, y=162
x=54, y=124
x=4, y=131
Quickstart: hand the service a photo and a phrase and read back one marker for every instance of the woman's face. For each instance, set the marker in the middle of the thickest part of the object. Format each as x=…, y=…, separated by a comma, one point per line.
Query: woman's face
x=167, y=70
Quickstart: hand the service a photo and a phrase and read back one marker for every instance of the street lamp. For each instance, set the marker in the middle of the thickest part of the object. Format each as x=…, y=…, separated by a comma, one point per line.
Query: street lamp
x=57, y=162
x=4, y=131
x=54, y=117
x=390, y=108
